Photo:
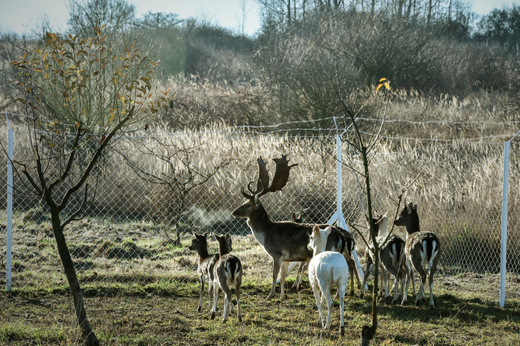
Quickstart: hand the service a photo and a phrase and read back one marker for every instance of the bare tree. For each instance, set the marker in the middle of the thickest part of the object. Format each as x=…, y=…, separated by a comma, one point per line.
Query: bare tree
x=178, y=167
x=85, y=15
x=356, y=140
x=100, y=91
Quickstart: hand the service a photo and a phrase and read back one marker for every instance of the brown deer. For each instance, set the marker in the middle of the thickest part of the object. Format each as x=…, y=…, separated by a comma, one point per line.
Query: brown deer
x=205, y=265
x=227, y=276
x=391, y=256
x=421, y=249
x=286, y=241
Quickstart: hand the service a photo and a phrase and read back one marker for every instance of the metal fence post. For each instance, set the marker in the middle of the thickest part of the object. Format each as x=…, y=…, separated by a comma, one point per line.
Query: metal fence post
x=503, y=251
x=9, y=205
x=338, y=216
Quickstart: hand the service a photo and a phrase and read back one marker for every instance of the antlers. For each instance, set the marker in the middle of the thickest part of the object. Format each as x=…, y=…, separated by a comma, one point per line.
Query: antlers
x=280, y=178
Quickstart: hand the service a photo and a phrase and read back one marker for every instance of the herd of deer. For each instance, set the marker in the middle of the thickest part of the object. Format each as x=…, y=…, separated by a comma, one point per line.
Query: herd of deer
x=326, y=249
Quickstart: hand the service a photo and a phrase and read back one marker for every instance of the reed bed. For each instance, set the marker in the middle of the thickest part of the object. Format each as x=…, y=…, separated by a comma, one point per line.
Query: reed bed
x=457, y=187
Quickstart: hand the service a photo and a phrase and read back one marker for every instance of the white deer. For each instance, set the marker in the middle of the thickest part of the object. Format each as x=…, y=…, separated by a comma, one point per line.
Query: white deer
x=327, y=268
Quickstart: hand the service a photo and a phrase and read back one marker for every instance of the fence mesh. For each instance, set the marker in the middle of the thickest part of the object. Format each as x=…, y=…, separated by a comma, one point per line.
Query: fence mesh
x=151, y=191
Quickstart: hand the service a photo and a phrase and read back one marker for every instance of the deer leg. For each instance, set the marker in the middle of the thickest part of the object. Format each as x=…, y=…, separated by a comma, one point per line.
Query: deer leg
x=353, y=272
x=409, y=275
x=325, y=296
x=295, y=284
x=430, y=279
x=299, y=275
x=342, y=310
x=291, y=266
x=420, y=294
x=413, y=282
x=317, y=297
x=237, y=293
x=216, y=289
x=276, y=269
x=304, y=266
x=329, y=309
x=211, y=293
x=381, y=280
x=396, y=286
x=354, y=268
x=283, y=274
x=365, y=276
x=199, y=308
x=228, y=303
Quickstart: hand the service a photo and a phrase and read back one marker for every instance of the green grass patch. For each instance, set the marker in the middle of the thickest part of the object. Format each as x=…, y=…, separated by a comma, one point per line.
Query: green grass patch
x=166, y=314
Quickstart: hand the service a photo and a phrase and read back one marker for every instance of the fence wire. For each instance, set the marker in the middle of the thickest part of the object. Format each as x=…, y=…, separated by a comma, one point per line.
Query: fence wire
x=150, y=192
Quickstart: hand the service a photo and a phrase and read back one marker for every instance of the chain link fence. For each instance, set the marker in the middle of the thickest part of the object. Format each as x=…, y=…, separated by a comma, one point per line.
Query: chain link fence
x=151, y=191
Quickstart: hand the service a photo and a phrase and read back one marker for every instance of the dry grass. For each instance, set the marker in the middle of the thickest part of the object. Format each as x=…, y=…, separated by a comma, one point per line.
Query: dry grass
x=457, y=187
x=164, y=312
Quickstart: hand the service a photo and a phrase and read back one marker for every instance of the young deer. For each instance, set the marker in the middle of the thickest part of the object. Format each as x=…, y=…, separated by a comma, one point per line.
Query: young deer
x=391, y=252
x=227, y=276
x=327, y=268
x=285, y=241
x=205, y=267
x=422, y=249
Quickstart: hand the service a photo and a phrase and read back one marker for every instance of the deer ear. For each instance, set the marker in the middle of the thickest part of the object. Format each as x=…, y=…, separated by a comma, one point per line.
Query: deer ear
x=329, y=229
x=415, y=207
x=256, y=200
x=316, y=230
x=228, y=237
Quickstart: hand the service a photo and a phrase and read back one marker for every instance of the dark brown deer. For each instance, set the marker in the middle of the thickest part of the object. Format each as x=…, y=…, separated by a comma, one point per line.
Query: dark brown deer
x=227, y=276
x=421, y=249
x=286, y=241
x=205, y=265
x=391, y=258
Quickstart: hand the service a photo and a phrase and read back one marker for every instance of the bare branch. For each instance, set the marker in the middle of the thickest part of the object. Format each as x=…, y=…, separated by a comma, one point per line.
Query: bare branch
x=94, y=159
x=74, y=217
x=72, y=156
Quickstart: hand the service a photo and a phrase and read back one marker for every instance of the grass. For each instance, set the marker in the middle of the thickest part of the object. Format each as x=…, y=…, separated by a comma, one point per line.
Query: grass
x=152, y=300
x=165, y=314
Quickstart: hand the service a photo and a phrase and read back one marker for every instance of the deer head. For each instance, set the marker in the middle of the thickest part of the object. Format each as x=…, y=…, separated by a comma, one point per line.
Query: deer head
x=318, y=239
x=224, y=243
x=263, y=186
x=199, y=243
x=295, y=218
x=409, y=218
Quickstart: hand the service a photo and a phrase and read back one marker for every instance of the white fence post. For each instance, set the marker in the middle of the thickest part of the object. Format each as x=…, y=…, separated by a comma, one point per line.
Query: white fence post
x=338, y=216
x=9, y=205
x=503, y=251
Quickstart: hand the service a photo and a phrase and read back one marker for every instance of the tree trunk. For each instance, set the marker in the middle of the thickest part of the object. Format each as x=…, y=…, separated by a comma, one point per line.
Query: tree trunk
x=430, y=7
x=72, y=278
x=367, y=333
x=289, y=12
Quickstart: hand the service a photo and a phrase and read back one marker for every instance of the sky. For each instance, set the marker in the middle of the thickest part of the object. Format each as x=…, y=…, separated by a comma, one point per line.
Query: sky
x=22, y=16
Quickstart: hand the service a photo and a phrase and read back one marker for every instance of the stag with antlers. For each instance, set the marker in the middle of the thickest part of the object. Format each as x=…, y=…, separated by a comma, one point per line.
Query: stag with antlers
x=286, y=241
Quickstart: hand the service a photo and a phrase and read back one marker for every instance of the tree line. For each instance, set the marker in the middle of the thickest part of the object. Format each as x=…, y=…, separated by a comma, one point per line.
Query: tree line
x=430, y=46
